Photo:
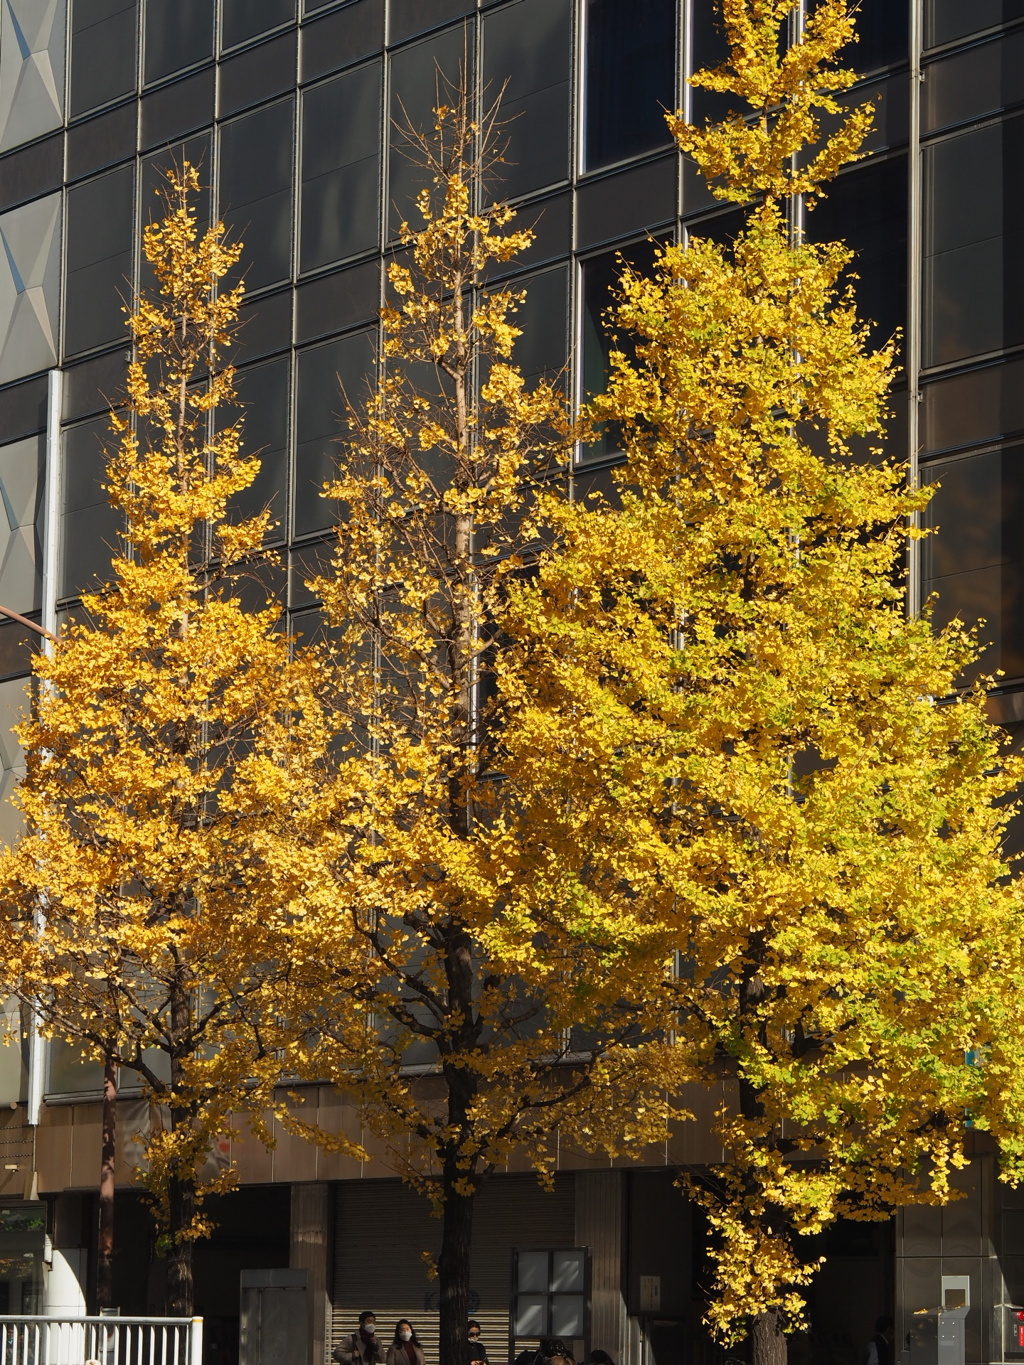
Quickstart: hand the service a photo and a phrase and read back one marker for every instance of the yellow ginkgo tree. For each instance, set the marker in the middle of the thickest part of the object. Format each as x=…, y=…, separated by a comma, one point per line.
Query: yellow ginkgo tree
x=472, y=1024
x=727, y=719
x=166, y=723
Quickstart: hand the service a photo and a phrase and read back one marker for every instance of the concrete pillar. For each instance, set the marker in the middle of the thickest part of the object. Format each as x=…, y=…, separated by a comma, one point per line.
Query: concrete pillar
x=601, y=1225
x=311, y=1251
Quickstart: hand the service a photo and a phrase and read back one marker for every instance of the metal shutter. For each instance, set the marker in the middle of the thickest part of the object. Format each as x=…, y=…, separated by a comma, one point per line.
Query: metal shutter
x=381, y=1226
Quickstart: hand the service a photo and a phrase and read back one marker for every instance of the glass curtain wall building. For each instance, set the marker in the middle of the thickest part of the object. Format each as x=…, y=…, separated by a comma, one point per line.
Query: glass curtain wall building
x=289, y=107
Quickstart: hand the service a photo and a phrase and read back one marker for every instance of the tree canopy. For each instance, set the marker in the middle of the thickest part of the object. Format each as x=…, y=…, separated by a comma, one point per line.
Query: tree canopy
x=166, y=718
x=736, y=728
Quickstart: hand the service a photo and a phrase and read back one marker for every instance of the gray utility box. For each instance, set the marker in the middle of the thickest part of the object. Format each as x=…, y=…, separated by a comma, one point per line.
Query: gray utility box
x=937, y=1334
x=274, y=1328
x=951, y=1347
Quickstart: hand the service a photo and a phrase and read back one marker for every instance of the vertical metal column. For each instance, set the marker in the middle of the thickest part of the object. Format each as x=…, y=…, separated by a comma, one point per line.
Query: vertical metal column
x=915, y=222
x=50, y=591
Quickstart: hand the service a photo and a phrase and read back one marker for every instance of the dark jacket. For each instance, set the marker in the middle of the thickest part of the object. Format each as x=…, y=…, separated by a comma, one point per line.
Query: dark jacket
x=352, y=1350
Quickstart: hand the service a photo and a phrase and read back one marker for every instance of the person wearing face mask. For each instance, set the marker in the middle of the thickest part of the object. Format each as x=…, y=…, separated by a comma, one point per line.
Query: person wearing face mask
x=477, y=1350
x=406, y=1348
x=362, y=1347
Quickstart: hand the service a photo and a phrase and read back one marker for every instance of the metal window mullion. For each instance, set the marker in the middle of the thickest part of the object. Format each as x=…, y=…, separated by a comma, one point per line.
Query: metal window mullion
x=914, y=295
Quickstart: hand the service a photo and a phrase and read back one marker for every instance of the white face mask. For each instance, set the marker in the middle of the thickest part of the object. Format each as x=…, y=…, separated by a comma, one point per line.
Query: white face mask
x=370, y=1328
x=406, y=1336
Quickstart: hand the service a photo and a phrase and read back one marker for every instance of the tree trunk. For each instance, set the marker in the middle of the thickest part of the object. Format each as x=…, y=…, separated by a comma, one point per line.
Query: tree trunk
x=181, y=1201
x=769, y=1340
x=108, y=1154
x=453, y=1273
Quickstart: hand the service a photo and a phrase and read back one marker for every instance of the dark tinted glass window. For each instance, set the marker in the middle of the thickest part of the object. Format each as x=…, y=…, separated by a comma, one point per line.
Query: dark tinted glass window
x=339, y=39
x=242, y=19
x=633, y=199
x=982, y=405
x=980, y=81
x=263, y=394
x=328, y=378
x=178, y=34
x=406, y=18
x=974, y=243
x=867, y=209
x=102, y=52
x=421, y=75
x=947, y=20
x=90, y=525
x=527, y=45
x=708, y=49
x=98, y=259
x=542, y=317
x=22, y=408
x=343, y=298
x=883, y=27
x=177, y=108
x=18, y=643
x=630, y=77
x=341, y=138
x=601, y=276
x=976, y=560
x=255, y=190
x=253, y=76
x=101, y=141
x=31, y=172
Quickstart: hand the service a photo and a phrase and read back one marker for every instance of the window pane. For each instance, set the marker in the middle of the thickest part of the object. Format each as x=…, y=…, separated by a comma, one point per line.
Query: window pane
x=255, y=191
x=263, y=393
x=883, y=27
x=102, y=52
x=567, y=1315
x=90, y=525
x=635, y=198
x=601, y=275
x=242, y=19
x=974, y=234
x=975, y=562
x=256, y=74
x=406, y=18
x=341, y=138
x=71, y=1072
x=339, y=39
x=528, y=45
x=979, y=81
x=630, y=77
x=708, y=49
x=568, y=1272
x=966, y=409
x=178, y=108
x=532, y=1272
x=542, y=316
x=950, y=19
x=327, y=375
x=531, y=1316
x=421, y=75
x=178, y=34
x=33, y=171
x=344, y=298
x=867, y=209
x=100, y=221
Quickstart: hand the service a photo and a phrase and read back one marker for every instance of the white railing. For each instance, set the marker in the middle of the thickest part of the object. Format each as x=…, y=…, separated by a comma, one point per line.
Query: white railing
x=100, y=1341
